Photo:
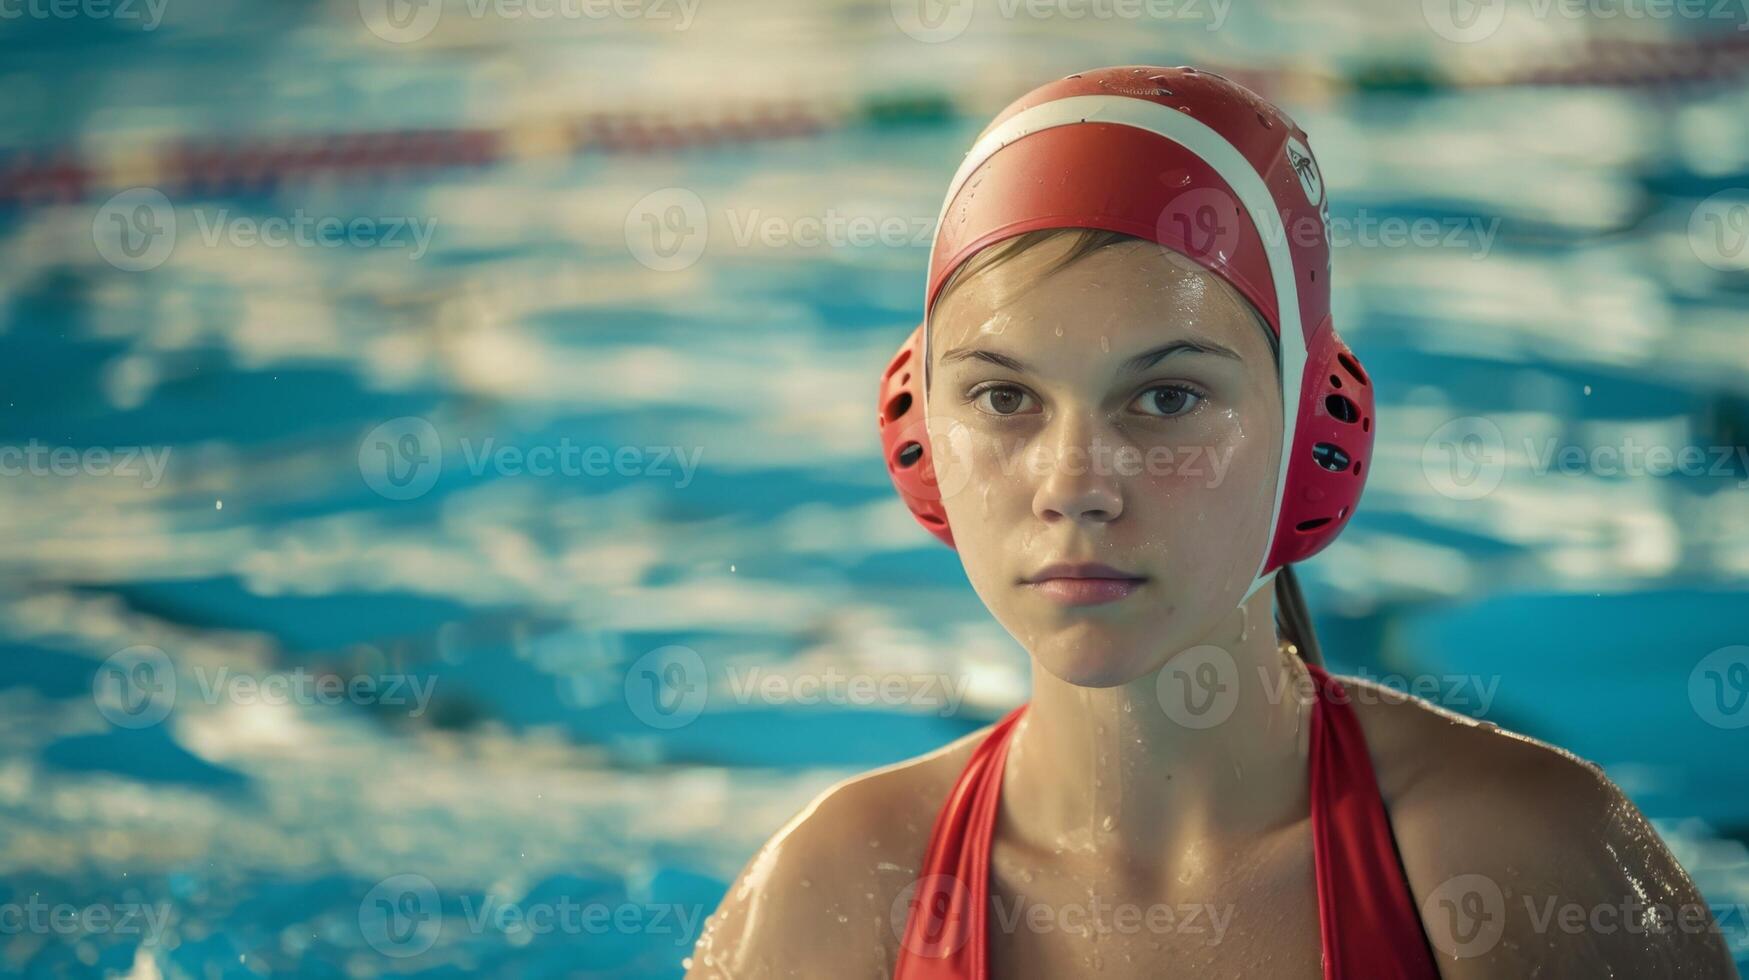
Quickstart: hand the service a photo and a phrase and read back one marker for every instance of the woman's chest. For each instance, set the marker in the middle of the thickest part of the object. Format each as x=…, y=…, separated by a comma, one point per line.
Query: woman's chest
x=1252, y=912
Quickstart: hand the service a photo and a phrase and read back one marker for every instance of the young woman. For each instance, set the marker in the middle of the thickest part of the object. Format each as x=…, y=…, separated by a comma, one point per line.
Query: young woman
x=1138, y=415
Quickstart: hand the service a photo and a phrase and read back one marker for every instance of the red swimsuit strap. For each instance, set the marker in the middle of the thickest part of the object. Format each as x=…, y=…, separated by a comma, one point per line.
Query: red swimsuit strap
x=1367, y=920
x=1368, y=924
x=944, y=936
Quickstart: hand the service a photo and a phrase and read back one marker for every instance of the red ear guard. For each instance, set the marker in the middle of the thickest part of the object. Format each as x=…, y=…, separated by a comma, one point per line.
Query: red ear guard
x=1326, y=468
x=1331, y=452
x=905, y=442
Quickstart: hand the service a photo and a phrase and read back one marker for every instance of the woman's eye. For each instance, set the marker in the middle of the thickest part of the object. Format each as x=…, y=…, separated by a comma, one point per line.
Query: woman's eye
x=1000, y=400
x=1167, y=401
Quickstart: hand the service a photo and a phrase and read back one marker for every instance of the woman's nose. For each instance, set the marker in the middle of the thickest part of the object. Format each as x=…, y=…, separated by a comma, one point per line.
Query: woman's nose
x=1077, y=478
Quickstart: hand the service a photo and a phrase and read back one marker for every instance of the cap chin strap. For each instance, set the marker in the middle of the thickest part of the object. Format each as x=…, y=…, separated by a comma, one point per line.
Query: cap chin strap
x=1258, y=583
x=1246, y=183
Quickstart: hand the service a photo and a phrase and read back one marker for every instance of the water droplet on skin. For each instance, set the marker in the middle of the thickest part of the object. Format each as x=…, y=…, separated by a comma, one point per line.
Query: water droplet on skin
x=1059, y=330
x=1105, y=343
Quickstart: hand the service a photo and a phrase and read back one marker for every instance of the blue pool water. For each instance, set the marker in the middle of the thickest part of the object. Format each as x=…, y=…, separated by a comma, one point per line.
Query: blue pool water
x=1573, y=298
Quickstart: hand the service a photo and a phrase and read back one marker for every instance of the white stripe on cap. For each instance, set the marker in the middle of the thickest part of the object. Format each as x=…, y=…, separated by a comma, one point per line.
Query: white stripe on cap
x=1245, y=181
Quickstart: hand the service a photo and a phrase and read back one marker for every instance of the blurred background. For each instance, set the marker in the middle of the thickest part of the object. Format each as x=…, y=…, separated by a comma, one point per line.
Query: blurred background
x=442, y=523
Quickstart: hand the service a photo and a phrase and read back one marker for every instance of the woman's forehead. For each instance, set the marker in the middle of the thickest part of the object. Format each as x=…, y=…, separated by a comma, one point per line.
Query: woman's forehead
x=1122, y=294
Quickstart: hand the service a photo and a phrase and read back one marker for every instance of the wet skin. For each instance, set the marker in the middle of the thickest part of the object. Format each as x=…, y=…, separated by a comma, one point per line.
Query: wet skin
x=1192, y=847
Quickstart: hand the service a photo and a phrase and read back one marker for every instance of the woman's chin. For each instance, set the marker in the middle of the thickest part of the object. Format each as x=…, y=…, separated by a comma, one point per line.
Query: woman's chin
x=1095, y=665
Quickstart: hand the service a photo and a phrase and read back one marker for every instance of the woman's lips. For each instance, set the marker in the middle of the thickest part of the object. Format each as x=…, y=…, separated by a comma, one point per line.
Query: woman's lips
x=1083, y=583
x=1085, y=591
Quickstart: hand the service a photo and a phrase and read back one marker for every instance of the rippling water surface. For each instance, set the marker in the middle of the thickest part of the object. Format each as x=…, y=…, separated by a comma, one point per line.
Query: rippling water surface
x=341, y=605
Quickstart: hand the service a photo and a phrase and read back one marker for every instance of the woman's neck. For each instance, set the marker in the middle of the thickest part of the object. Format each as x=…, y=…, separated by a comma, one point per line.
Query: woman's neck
x=1215, y=748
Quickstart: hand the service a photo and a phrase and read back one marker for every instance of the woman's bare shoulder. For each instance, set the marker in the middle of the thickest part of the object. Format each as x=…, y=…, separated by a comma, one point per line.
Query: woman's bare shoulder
x=1521, y=854
x=820, y=897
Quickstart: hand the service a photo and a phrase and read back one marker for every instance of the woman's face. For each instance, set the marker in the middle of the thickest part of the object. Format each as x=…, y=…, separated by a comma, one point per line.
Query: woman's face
x=1122, y=410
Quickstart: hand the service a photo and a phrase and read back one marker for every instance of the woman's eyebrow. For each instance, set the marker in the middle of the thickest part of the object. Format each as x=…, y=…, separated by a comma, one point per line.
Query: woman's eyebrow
x=1149, y=358
x=1140, y=362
